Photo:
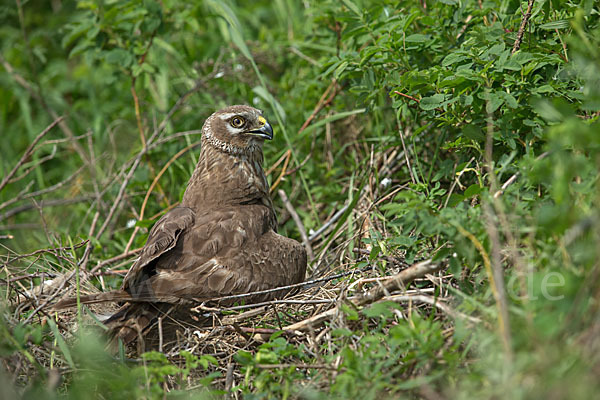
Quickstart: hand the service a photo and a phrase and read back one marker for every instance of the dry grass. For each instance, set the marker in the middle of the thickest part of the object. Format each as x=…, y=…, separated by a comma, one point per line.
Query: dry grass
x=305, y=317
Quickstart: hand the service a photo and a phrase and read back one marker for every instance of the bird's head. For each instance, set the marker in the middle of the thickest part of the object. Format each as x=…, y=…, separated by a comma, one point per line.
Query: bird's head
x=236, y=130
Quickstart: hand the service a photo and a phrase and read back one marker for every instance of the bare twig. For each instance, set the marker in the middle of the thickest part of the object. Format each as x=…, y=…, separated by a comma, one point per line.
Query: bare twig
x=298, y=366
x=323, y=101
x=24, y=196
x=120, y=257
x=524, y=22
x=44, y=203
x=395, y=282
x=434, y=302
x=281, y=288
x=407, y=96
x=498, y=281
x=28, y=152
x=514, y=177
x=331, y=221
x=299, y=224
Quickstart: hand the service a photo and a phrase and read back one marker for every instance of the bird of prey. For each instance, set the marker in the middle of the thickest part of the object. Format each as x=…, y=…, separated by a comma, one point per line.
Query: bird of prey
x=221, y=240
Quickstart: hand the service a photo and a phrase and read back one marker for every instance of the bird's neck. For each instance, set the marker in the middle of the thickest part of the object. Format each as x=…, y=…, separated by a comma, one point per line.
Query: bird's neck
x=224, y=179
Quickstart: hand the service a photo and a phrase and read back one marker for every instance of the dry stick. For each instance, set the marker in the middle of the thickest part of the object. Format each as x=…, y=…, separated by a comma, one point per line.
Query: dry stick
x=524, y=22
x=320, y=104
x=331, y=221
x=44, y=203
x=398, y=281
x=299, y=366
x=285, y=155
x=115, y=259
x=41, y=251
x=514, y=177
x=407, y=96
x=28, y=152
x=24, y=196
x=136, y=101
x=35, y=165
x=299, y=224
x=304, y=284
x=464, y=27
x=283, y=172
x=160, y=334
x=116, y=203
x=229, y=378
x=412, y=177
x=431, y=301
x=496, y=260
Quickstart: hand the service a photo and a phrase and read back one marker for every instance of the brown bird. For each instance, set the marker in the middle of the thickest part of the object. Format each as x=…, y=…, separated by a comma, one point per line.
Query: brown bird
x=222, y=240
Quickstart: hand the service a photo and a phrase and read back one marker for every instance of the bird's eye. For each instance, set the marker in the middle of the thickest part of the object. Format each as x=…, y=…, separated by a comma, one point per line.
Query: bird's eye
x=237, y=122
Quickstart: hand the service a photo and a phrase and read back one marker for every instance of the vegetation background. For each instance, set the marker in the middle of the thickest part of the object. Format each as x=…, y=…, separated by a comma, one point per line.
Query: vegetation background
x=471, y=125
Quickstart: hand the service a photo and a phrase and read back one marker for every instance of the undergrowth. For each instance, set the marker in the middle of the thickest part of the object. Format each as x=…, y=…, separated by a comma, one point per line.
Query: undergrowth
x=460, y=132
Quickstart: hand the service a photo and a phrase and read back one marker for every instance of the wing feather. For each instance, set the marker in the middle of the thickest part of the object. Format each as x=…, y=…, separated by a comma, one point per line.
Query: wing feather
x=161, y=239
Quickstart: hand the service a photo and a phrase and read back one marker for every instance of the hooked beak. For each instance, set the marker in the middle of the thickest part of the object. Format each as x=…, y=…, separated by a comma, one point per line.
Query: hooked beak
x=265, y=131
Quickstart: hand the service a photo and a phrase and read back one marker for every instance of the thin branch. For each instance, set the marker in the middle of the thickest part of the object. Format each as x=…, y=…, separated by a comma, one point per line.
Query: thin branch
x=299, y=224
x=323, y=101
x=305, y=284
x=514, y=177
x=395, y=282
x=524, y=22
x=115, y=259
x=44, y=203
x=331, y=221
x=23, y=196
x=28, y=152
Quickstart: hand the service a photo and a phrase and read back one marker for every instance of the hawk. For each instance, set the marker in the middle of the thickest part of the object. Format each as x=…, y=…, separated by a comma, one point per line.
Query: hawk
x=221, y=240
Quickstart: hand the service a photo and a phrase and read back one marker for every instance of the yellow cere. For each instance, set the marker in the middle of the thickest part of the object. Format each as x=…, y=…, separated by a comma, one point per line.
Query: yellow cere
x=262, y=120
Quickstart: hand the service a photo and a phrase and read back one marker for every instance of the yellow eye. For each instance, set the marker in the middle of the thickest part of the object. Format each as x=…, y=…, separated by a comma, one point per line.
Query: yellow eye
x=237, y=122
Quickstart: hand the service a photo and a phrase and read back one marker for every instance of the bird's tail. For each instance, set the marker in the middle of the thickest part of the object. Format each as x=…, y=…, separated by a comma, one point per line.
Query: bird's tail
x=130, y=324
x=114, y=296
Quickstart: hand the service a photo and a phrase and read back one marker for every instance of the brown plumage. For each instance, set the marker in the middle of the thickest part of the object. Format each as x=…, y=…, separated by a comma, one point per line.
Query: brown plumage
x=220, y=241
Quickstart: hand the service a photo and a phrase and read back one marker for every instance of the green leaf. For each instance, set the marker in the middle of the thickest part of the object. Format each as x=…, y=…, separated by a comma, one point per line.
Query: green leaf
x=352, y=6
x=432, y=102
x=119, y=57
x=227, y=13
x=543, y=89
x=380, y=309
x=268, y=97
x=417, y=38
x=522, y=57
x=332, y=118
x=473, y=190
x=560, y=24
x=494, y=103
x=351, y=313
x=509, y=99
x=62, y=345
x=453, y=58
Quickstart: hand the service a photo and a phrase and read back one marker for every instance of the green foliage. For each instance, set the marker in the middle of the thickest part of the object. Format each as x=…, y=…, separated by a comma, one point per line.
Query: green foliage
x=425, y=107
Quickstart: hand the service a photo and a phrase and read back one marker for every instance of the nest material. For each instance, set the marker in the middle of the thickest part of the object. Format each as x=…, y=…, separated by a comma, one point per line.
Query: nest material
x=305, y=317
